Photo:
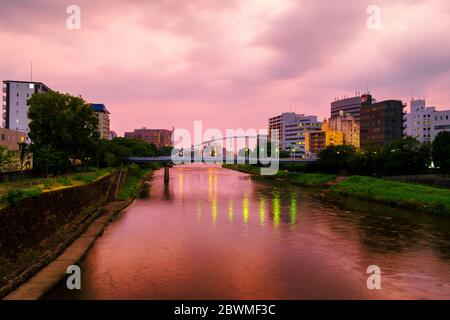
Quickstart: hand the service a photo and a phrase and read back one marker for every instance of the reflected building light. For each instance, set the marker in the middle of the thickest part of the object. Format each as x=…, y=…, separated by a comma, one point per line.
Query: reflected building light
x=210, y=184
x=199, y=211
x=230, y=210
x=262, y=210
x=214, y=210
x=276, y=208
x=245, y=208
x=215, y=183
x=293, y=208
x=180, y=185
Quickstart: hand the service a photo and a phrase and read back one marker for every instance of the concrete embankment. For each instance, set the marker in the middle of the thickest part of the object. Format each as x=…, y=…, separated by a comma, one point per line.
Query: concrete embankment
x=50, y=275
x=88, y=211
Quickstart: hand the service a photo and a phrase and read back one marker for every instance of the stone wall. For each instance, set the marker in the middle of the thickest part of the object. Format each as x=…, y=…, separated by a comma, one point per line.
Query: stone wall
x=30, y=222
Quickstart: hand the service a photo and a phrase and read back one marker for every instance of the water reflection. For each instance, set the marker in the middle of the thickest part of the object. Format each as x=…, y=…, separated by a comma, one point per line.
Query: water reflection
x=217, y=234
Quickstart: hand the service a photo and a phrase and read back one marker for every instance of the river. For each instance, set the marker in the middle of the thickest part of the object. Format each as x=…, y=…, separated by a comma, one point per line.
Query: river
x=214, y=233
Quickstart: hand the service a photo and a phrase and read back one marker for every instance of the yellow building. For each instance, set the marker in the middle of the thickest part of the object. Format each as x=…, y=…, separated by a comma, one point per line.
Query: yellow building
x=349, y=126
x=315, y=141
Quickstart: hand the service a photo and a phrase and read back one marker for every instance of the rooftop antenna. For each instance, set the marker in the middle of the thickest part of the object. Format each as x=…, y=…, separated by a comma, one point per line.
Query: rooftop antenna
x=31, y=70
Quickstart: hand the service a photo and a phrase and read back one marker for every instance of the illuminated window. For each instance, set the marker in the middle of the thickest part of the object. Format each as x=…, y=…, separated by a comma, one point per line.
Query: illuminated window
x=31, y=86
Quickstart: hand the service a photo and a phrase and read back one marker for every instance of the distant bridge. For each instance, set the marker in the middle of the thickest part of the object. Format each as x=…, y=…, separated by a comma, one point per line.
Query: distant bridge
x=167, y=161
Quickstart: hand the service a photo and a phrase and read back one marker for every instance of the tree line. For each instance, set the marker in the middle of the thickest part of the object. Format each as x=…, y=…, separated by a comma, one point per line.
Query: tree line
x=403, y=156
x=64, y=136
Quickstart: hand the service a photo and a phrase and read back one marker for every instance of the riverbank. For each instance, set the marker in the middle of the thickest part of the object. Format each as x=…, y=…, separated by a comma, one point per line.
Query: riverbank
x=400, y=194
x=43, y=270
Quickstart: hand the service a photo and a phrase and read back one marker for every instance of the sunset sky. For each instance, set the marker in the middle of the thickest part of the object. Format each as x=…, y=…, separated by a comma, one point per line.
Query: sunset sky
x=230, y=63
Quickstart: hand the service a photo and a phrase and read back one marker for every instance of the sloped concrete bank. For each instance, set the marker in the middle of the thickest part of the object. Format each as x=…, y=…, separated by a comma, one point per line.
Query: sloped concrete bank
x=34, y=231
x=46, y=278
x=39, y=278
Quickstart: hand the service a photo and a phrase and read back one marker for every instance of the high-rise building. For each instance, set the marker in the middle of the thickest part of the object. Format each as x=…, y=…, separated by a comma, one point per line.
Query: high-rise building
x=292, y=128
x=103, y=119
x=350, y=106
x=315, y=141
x=425, y=123
x=381, y=122
x=347, y=124
x=159, y=137
x=15, y=100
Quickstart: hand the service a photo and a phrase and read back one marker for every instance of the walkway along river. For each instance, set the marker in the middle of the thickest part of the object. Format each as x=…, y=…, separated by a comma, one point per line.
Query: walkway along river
x=213, y=233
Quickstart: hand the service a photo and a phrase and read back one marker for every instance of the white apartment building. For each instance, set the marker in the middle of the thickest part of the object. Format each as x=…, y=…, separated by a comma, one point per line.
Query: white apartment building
x=425, y=123
x=292, y=128
x=15, y=99
x=103, y=119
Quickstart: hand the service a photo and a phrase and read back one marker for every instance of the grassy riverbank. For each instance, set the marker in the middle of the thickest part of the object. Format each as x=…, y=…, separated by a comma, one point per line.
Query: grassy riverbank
x=134, y=181
x=416, y=196
x=13, y=192
x=400, y=194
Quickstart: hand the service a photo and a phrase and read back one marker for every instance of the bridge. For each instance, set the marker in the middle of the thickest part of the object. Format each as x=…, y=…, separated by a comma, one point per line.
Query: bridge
x=167, y=161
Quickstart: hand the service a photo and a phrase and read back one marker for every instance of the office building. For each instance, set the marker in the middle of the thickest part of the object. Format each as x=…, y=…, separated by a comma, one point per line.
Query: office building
x=292, y=128
x=381, y=122
x=315, y=141
x=103, y=119
x=350, y=106
x=425, y=123
x=347, y=124
x=15, y=103
x=159, y=137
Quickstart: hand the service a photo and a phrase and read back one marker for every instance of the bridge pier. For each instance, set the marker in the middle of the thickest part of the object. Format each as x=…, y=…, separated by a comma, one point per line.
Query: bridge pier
x=166, y=174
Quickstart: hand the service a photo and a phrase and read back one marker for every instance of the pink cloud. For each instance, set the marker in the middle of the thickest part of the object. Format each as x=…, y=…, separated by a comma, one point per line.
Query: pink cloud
x=229, y=63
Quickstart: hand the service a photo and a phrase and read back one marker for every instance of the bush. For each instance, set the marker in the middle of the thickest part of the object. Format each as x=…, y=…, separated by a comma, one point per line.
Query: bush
x=47, y=184
x=64, y=181
x=13, y=196
x=84, y=178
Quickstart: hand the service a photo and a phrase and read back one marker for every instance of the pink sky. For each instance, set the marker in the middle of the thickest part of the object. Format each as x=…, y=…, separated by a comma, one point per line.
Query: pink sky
x=230, y=63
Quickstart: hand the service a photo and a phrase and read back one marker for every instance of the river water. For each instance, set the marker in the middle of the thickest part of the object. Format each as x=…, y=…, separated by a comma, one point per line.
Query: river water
x=214, y=233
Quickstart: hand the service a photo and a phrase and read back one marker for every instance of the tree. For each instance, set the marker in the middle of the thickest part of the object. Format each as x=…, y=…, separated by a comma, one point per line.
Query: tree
x=113, y=153
x=6, y=158
x=64, y=125
x=441, y=151
x=406, y=156
x=336, y=158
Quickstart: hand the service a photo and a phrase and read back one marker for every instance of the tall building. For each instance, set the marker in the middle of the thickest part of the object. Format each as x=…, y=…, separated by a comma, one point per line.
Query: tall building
x=381, y=122
x=425, y=123
x=103, y=119
x=15, y=99
x=315, y=141
x=350, y=106
x=159, y=137
x=347, y=124
x=292, y=128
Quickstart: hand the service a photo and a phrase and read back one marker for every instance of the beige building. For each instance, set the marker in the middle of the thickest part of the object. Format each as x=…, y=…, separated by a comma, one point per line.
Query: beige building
x=349, y=126
x=315, y=141
x=12, y=138
x=103, y=119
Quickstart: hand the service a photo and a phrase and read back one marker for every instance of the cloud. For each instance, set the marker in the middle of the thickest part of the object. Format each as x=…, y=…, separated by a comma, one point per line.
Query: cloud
x=231, y=63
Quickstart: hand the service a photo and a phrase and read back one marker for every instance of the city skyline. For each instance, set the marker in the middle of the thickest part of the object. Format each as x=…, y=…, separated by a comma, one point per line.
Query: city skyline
x=165, y=64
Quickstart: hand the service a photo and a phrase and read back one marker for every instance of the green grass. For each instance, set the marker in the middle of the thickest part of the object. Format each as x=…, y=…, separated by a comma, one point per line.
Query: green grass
x=421, y=197
x=311, y=179
x=13, y=196
x=133, y=183
x=246, y=168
